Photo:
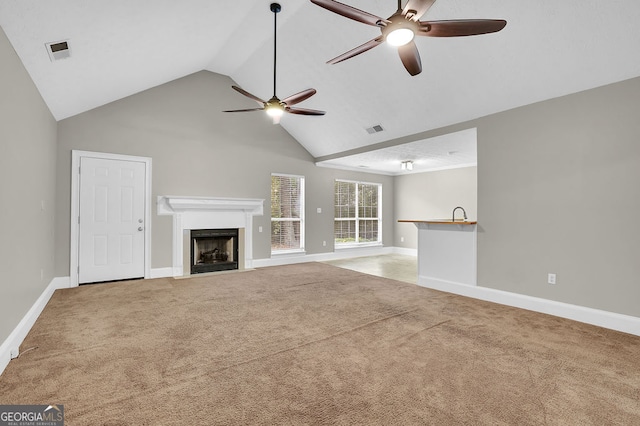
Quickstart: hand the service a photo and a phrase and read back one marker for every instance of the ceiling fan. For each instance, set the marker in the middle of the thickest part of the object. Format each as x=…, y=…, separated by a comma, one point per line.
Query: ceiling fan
x=275, y=107
x=401, y=27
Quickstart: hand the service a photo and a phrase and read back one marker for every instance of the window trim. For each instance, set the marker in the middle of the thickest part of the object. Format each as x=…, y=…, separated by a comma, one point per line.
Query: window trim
x=357, y=219
x=301, y=219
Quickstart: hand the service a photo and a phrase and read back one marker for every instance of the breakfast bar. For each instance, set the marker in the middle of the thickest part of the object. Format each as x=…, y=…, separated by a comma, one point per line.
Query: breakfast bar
x=447, y=251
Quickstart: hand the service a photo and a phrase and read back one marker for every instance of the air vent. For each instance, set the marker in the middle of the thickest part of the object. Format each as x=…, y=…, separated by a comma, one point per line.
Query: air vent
x=374, y=129
x=58, y=50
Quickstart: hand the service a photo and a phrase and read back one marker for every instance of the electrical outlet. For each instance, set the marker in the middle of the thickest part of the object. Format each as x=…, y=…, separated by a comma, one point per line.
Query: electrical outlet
x=402, y=239
x=319, y=210
x=324, y=244
x=259, y=228
x=551, y=278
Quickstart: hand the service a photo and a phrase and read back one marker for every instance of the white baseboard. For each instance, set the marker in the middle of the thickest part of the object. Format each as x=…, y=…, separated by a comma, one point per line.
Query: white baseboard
x=406, y=251
x=11, y=346
x=161, y=272
x=322, y=257
x=614, y=321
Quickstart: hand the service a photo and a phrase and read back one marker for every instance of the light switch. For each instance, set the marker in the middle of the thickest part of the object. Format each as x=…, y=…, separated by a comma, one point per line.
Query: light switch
x=319, y=210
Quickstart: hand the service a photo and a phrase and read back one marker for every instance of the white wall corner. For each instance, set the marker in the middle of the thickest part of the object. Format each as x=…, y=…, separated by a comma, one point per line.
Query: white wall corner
x=10, y=347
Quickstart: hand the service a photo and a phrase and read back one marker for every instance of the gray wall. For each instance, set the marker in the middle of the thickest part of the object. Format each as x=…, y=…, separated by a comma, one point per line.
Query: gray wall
x=27, y=180
x=199, y=150
x=556, y=183
x=432, y=195
x=558, y=192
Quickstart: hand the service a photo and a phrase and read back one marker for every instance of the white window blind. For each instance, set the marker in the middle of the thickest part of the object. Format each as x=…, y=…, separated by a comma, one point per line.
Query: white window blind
x=357, y=213
x=287, y=213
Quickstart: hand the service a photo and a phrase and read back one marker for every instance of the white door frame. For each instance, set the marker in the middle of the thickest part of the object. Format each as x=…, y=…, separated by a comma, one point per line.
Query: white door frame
x=75, y=208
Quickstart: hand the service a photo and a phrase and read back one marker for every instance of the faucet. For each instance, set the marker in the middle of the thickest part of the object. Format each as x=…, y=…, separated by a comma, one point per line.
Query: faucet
x=453, y=215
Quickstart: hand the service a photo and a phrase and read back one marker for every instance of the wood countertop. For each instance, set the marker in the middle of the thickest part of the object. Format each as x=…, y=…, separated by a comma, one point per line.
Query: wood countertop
x=441, y=221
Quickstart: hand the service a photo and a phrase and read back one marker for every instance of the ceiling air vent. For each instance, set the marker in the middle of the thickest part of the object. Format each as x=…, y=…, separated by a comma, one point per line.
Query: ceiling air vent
x=374, y=129
x=58, y=50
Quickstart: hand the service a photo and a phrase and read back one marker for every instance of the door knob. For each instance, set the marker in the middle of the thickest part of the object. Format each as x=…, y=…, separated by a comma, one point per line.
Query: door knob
x=139, y=220
x=139, y=228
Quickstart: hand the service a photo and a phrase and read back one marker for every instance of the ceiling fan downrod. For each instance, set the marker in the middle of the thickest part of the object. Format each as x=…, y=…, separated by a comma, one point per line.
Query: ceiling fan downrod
x=275, y=8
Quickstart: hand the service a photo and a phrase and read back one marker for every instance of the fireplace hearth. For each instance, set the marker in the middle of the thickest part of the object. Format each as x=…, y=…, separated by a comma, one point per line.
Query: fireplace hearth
x=214, y=250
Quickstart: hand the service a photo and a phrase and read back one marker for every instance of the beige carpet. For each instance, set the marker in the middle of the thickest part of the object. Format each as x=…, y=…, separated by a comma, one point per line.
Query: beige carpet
x=319, y=345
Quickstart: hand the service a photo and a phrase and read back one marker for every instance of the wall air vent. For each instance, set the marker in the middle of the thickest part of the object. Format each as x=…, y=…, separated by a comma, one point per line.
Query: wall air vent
x=58, y=50
x=374, y=129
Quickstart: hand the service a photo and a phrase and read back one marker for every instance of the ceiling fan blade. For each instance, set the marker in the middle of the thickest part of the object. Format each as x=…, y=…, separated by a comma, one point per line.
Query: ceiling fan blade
x=244, y=110
x=304, y=111
x=299, y=97
x=248, y=95
x=410, y=58
x=419, y=6
x=351, y=12
x=358, y=50
x=461, y=27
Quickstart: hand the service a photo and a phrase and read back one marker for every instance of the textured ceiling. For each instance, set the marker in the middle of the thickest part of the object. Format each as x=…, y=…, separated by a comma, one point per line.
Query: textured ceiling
x=453, y=150
x=548, y=49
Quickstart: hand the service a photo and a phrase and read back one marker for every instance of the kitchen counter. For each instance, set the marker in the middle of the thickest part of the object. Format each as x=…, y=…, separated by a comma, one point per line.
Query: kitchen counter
x=446, y=253
x=441, y=221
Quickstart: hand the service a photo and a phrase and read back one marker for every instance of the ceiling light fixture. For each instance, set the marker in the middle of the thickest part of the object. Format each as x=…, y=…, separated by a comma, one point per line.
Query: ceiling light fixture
x=406, y=165
x=400, y=31
x=400, y=37
x=275, y=107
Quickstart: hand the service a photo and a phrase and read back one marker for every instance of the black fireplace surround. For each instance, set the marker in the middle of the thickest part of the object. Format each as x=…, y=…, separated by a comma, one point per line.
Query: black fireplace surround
x=214, y=250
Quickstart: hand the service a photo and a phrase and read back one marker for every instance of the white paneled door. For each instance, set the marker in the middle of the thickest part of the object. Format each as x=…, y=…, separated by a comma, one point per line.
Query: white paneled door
x=111, y=220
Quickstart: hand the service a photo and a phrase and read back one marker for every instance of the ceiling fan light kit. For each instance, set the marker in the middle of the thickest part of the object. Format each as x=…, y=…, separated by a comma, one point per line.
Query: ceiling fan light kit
x=400, y=29
x=400, y=37
x=275, y=107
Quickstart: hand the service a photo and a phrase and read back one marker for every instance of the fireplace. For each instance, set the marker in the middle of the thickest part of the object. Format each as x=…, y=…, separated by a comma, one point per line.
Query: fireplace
x=190, y=213
x=214, y=250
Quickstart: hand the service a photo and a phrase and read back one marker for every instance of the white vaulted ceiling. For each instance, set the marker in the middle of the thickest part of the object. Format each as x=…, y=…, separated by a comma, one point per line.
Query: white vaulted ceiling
x=548, y=49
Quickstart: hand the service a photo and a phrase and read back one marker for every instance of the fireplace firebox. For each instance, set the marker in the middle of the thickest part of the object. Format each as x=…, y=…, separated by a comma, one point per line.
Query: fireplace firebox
x=214, y=250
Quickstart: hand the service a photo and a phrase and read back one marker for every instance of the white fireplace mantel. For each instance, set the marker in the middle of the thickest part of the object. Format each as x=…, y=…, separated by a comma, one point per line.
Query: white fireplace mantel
x=207, y=213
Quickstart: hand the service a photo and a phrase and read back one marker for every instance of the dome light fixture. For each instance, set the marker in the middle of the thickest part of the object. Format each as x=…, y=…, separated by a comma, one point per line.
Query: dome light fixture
x=400, y=30
x=274, y=109
x=400, y=37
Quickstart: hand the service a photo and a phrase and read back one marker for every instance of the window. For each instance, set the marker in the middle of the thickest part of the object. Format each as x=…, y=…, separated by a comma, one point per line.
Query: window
x=287, y=213
x=357, y=213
